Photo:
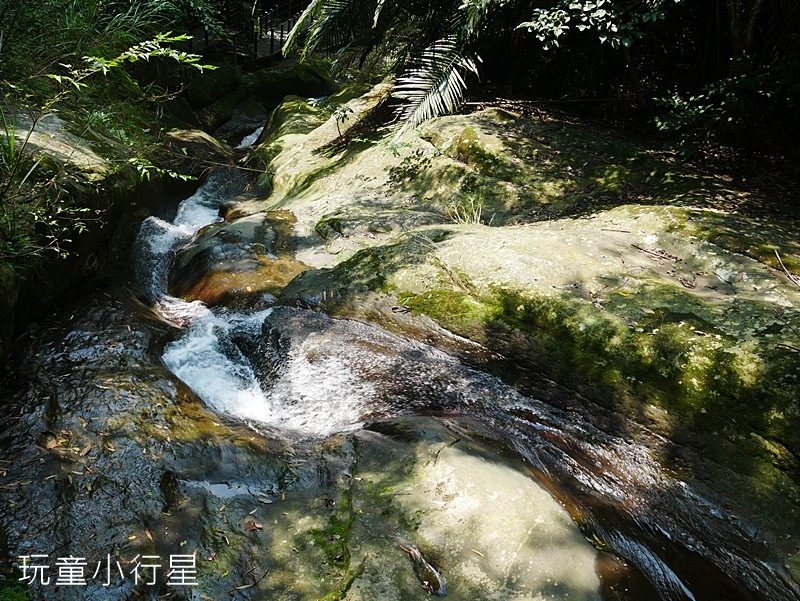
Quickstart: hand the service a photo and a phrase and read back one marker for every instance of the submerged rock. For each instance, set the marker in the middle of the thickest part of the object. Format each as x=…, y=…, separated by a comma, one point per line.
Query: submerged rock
x=492, y=531
x=244, y=258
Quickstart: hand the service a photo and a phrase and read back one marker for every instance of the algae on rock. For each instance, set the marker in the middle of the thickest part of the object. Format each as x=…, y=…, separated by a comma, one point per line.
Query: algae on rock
x=660, y=297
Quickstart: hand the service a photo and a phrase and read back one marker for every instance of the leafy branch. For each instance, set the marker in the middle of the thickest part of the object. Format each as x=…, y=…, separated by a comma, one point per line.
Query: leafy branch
x=618, y=23
x=34, y=218
x=434, y=83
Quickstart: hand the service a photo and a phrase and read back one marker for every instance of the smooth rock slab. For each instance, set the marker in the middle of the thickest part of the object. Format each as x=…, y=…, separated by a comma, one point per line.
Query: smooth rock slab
x=493, y=532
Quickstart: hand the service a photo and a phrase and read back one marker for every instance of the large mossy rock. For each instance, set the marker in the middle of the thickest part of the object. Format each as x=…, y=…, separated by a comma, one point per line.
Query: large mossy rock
x=270, y=86
x=193, y=151
x=328, y=166
x=652, y=288
x=642, y=302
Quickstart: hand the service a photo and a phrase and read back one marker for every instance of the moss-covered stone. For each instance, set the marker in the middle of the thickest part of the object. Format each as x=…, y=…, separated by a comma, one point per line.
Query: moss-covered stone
x=218, y=112
x=205, y=87
x=194, y=150
x=308, y=79
x=638, y=308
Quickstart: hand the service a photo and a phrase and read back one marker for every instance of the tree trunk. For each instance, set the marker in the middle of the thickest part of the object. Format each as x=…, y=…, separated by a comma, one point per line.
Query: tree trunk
x=744, y=16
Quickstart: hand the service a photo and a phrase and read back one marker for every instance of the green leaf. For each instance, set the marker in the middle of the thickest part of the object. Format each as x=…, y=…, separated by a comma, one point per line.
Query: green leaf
x=434, y=83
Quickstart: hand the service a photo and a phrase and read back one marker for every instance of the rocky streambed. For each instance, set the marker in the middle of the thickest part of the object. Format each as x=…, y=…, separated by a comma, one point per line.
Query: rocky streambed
x=352, y=388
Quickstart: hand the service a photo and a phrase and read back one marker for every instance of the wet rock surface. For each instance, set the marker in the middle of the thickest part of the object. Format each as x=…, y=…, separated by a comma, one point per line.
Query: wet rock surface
x=362, y=464
x=679, y=317
x=194, y=150
x=107, y=457
x=229, y=262
x=495, y=533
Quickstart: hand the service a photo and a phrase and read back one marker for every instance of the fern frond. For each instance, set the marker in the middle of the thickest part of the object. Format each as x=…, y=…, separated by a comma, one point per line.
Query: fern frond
x=434, y=83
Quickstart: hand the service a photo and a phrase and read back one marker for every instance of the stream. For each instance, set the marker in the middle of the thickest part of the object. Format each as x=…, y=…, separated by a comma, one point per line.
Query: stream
x=262, y=397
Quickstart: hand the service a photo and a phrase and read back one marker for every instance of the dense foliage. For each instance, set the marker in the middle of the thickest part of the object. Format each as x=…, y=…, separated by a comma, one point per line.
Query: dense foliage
x=79, y=58
x=724, y=71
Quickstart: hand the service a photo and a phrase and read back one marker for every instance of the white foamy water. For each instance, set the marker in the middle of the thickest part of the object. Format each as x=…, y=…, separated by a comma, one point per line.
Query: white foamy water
x=313, y=397
x=250, y=139
x=215, y=369
x=158, y=240
x=316, y=397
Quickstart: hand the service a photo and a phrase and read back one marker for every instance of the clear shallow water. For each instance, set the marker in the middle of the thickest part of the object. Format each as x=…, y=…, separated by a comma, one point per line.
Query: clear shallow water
x=329, y=376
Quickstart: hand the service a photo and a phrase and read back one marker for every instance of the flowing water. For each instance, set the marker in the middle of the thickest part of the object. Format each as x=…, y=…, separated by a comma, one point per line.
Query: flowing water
x=325, y=376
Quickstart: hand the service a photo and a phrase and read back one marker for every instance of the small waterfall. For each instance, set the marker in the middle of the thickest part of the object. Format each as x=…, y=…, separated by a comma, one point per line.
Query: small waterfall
x=159, y=240
x=250, y=139
x=205, y=357
x=211, y=364
x=319, y=398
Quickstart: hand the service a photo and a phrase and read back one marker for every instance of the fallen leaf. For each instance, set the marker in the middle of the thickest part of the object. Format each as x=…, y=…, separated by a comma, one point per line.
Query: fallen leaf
x=85, y=450
x=148, y=535
x=51, y=444
x=477, y=552
x=646, y=310
x=252, y=526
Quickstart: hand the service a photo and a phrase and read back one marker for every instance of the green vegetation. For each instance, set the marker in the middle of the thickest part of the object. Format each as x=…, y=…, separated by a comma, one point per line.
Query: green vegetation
x=83, y=85
x=13, y=591
x=35, y=213
x=737, y=79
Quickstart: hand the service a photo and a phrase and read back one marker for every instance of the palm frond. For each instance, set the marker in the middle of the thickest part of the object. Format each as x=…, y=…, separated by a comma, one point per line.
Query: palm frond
x=302, y=21
x=434, y=83
x=336, y=23
x=378, y=8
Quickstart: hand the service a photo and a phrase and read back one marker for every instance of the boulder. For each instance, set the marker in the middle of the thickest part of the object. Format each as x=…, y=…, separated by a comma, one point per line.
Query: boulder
x=231, y=262
x=193, y=151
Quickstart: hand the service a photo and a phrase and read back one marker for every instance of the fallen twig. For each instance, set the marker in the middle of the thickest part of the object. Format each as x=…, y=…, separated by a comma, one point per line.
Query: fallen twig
x=657, y=252
x=792, y=277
